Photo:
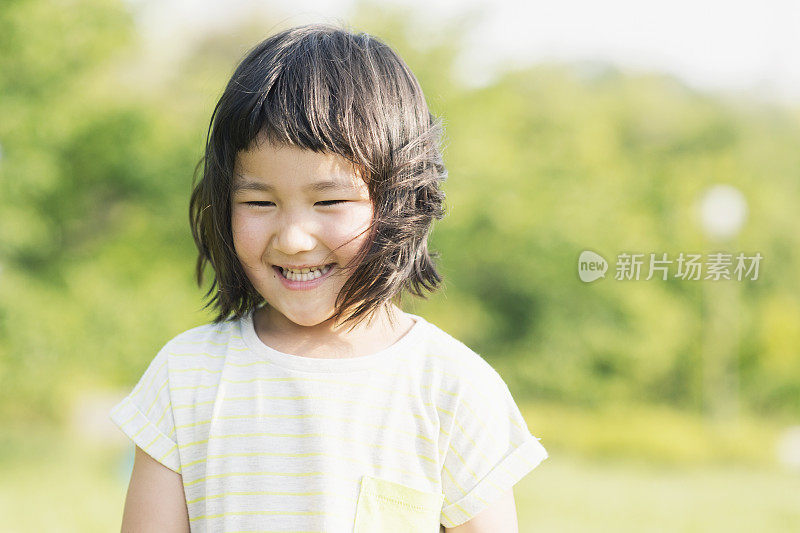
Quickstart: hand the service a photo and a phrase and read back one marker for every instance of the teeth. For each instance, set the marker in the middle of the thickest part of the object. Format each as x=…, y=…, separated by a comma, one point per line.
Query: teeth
x=305, y=274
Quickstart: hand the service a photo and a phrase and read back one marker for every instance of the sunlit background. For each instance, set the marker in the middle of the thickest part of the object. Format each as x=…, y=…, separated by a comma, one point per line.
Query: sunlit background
x=616, y=128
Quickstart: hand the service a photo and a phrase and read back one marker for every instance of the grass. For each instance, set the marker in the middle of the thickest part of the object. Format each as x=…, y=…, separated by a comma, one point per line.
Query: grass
x=653, y=434
x=54, y=481
x=567, y=494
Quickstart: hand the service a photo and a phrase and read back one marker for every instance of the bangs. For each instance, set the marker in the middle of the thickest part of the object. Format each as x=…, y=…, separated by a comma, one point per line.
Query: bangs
x=324, y=91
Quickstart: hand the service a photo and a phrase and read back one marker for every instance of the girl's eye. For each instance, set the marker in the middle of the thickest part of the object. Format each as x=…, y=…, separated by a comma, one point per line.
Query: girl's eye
x=324, y=202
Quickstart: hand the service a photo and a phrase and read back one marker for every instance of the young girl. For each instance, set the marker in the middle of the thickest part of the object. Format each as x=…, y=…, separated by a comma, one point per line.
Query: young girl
x=313, y=402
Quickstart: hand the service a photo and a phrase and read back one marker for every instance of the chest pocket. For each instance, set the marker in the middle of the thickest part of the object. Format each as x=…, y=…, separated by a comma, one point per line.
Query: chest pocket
x=388, y=507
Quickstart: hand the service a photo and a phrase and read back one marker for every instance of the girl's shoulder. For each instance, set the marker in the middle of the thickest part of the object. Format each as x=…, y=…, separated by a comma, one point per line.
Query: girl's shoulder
x=211, y=333
x=207, y=341
x=456, y=356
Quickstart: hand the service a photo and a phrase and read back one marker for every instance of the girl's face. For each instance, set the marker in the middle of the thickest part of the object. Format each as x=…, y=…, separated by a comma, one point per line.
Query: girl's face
x=293, y=207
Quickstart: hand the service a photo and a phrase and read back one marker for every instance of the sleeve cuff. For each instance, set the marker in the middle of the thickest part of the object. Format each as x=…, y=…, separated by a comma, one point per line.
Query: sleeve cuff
x=146, y=435
x=504, y=476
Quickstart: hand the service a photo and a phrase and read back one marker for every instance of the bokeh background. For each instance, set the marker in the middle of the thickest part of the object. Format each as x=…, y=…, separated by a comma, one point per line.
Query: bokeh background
x=665, y=405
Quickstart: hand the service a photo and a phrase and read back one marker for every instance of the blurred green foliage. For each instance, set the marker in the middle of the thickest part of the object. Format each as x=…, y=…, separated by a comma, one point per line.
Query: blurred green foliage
x=97, y=259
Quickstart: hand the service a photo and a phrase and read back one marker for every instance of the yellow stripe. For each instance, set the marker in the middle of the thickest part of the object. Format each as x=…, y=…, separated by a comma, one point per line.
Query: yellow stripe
x=156, y=398
x=141, y=388
x=271, y=531
x=446, y=517
x=252, y=454
x=146, y=447
x=172, y=422
x=486, y=459
x=361, y=464
x=195, y=354
x=304, y=435
x=460, y=489
x=197, y=369
x=264, y=493
x=359, y=385
x=125, y=423
x=246, y=474
x=255, y=493
x=232, y=513
x=464, y=493
x=251, y=380
x=207, y=342
x=139, y=432
x=314, y=415
x=168, y=453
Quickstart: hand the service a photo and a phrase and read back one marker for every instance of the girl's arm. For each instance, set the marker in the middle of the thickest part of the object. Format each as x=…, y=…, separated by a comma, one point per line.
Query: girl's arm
x=500, y=517
x=155, y=501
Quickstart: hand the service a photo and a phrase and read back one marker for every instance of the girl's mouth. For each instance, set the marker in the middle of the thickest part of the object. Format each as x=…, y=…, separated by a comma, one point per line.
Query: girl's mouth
x=304, y=281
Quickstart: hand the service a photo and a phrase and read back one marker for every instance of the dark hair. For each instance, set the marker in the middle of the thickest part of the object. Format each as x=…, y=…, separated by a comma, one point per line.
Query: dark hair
x=326, y=89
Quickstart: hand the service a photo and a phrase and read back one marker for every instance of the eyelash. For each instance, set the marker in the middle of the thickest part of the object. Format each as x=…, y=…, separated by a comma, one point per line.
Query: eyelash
x=328, y=202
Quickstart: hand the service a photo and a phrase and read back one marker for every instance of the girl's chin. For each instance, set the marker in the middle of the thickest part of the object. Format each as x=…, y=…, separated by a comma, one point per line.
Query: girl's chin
x=307, y=320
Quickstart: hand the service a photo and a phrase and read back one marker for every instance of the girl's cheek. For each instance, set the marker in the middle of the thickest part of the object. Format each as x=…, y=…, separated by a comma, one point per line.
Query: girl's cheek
x=247, y=233
x=355, y=221
x=246, y=223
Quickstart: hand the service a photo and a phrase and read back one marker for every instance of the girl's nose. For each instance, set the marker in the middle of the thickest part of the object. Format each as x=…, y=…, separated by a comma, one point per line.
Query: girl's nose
x=293, y=237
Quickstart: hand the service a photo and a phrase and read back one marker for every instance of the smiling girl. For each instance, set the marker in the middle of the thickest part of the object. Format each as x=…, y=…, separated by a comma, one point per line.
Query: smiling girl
x=312, y=402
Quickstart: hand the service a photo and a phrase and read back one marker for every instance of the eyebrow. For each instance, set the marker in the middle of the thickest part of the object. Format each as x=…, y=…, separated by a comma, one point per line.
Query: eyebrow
x=244, y=184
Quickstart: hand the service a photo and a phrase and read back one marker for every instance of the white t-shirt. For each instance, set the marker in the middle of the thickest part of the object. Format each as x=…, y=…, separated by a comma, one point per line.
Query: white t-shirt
x=268, y=441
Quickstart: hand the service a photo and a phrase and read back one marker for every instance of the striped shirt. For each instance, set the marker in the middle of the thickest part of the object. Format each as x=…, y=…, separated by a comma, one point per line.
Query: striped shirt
x=269, y=441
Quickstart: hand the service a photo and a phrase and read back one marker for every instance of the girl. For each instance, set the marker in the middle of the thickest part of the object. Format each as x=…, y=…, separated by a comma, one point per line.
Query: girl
x=313, y=402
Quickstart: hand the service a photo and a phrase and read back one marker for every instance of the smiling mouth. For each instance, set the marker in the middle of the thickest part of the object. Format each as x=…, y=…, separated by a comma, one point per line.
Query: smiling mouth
x=309, y=274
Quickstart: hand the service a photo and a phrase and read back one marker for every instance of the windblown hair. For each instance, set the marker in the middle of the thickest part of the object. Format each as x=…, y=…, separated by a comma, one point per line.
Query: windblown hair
x=326, y=89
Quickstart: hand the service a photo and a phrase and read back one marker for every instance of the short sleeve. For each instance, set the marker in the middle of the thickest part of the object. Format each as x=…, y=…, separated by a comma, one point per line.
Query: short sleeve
x=490, y=447
x=145, y=415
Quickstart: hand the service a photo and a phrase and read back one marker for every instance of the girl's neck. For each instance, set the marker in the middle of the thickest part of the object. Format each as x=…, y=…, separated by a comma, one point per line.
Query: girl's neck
x=322, y=341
